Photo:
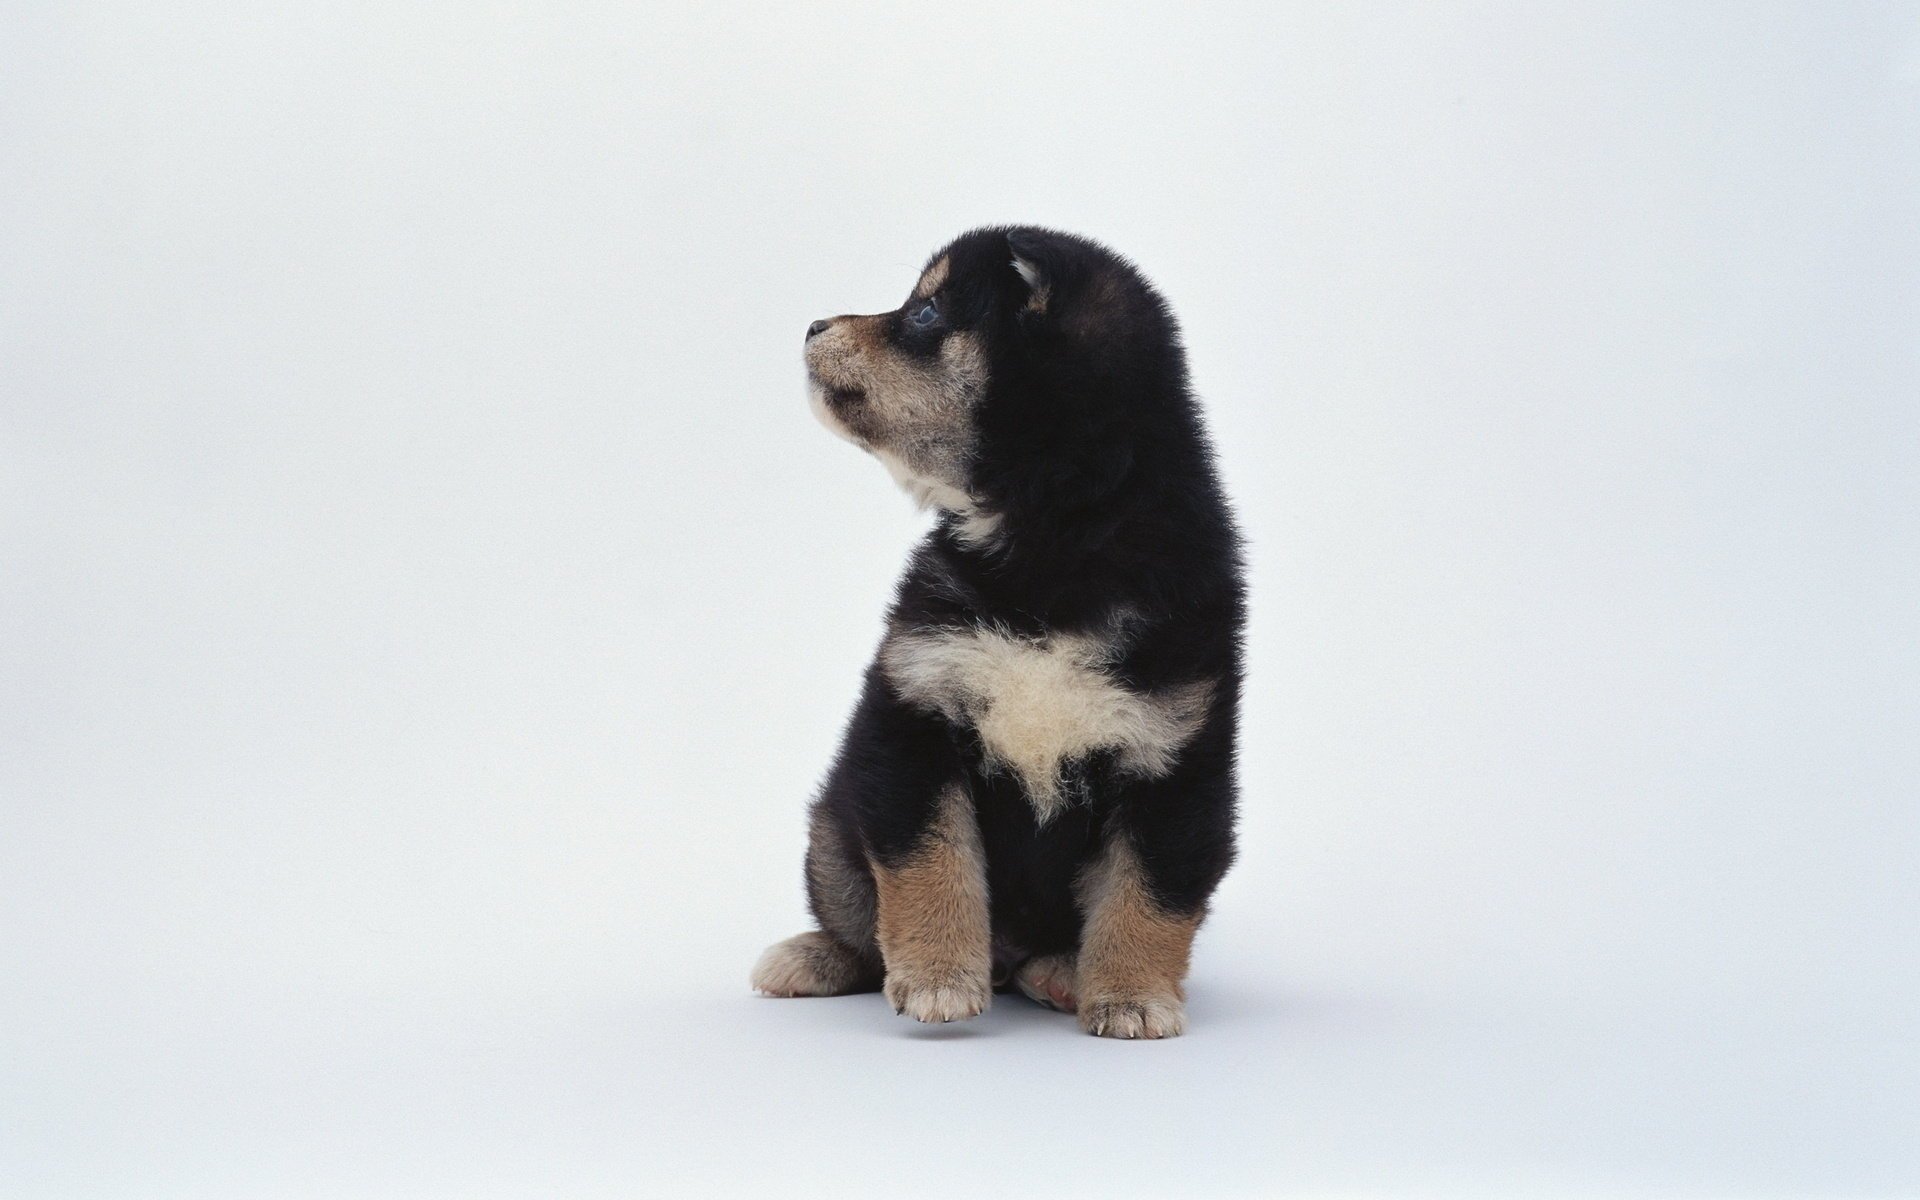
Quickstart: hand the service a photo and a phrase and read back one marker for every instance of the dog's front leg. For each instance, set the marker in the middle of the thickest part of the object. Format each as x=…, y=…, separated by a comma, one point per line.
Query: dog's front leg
x=932, y=919
x=1133, y=952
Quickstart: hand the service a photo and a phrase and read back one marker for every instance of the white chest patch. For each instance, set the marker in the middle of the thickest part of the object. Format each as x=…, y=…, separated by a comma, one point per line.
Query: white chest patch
x=1037, y=704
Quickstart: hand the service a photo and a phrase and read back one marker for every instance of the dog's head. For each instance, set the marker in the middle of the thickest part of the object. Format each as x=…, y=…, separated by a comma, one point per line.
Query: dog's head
x=1015, y=367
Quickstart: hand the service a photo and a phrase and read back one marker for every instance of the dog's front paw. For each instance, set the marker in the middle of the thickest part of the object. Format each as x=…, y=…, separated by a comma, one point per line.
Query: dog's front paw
x=950, y=995
x=1146, y=1016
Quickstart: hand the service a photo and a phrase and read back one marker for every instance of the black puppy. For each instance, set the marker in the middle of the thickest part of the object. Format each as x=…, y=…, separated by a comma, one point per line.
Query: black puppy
x=1038, y=782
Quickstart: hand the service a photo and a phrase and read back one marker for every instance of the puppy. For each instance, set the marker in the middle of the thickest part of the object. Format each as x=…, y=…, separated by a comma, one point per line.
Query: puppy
x=1036, y=787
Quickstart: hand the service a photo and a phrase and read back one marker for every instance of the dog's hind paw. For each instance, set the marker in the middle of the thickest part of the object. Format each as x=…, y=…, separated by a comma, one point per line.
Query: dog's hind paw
x=1048, y=980
x=812, y=964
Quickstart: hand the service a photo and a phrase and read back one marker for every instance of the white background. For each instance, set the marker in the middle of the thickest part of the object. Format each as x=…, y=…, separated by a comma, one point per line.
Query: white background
x=426, y=603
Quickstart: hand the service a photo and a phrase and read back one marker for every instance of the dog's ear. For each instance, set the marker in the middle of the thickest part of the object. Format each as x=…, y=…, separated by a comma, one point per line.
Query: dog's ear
x=1033, y=260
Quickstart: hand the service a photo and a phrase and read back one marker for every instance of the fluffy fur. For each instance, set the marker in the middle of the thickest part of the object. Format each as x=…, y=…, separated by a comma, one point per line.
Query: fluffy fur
x=1037, y=785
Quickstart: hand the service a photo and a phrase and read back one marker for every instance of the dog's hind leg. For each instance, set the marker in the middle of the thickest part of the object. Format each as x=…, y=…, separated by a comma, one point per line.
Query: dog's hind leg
x=842, y=958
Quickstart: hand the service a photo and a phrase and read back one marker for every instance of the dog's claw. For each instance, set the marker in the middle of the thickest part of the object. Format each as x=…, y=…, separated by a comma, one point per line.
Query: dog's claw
x=951, y=999
x=1134, y=1017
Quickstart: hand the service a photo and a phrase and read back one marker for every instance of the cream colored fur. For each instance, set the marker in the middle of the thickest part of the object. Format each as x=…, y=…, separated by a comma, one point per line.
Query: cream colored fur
x=810, y=964
x=1038, y=703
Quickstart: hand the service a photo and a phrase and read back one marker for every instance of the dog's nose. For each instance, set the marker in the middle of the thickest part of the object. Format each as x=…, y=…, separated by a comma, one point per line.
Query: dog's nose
x=817, y=327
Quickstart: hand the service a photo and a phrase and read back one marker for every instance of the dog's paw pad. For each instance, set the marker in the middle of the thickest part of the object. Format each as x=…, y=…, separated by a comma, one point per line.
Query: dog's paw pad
x=1048, y=981
x=1139, y=1017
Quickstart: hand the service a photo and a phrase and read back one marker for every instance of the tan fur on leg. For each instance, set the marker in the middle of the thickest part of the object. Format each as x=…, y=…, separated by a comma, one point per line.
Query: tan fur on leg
x=1133, y=954
x=933, y=920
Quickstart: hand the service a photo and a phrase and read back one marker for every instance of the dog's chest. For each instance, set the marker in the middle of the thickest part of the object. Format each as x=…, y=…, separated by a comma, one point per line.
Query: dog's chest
x=1037, y=704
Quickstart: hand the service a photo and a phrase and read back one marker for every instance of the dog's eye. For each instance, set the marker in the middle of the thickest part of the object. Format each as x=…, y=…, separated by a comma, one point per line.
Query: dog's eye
x=926, y=316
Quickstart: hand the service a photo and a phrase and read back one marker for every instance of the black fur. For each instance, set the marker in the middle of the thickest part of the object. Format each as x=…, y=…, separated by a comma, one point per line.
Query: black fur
x=1092, y=453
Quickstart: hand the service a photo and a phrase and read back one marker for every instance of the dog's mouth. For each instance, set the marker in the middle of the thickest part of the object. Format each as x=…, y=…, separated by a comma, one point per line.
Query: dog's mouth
x=843, y=399
x=843, y=410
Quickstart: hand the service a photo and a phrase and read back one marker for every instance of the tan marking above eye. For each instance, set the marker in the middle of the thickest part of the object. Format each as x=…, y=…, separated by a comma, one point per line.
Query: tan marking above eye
x=934, y=279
